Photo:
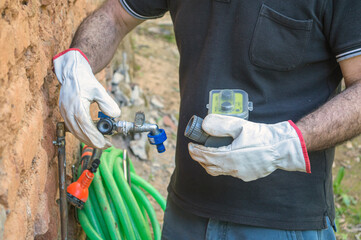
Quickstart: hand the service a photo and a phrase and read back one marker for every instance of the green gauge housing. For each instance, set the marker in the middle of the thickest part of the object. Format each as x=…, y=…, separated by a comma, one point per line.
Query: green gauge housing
x=230, y=102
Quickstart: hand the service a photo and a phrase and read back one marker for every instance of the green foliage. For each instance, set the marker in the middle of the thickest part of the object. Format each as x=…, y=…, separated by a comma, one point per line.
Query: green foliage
x=137, y=67
x=337, y=183
x=345, y=200
x=169, y=38
x=356, y=215
x=151, y=177
x=345, y=205
x=342, y=236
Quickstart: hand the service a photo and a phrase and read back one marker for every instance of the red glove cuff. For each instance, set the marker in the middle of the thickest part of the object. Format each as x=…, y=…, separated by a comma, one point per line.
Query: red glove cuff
x=303, y=145
x=70, y=49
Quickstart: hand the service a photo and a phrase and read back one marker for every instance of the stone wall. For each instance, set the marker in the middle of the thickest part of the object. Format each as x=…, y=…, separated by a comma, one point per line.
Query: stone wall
x=31, y=33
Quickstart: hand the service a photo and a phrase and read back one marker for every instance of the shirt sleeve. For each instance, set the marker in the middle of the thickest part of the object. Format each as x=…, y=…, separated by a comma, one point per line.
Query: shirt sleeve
x=145, y=9
x=342, y=26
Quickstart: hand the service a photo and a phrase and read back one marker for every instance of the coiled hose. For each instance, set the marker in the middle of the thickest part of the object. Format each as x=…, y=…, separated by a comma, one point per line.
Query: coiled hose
x=115, y=210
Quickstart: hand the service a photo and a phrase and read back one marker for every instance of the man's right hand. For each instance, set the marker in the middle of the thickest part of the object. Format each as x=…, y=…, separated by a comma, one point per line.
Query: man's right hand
x=79, y=88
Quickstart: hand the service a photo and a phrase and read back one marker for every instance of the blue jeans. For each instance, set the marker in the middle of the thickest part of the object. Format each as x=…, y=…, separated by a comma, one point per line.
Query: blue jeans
x=181, y=225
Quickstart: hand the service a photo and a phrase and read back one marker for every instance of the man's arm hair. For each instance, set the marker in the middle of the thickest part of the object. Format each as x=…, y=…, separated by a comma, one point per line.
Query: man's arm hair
x=340, y=118
x=99, y=34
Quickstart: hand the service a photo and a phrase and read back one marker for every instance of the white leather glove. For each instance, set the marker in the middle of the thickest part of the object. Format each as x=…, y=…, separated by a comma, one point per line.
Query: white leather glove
x=79, y=88
x=256, y=151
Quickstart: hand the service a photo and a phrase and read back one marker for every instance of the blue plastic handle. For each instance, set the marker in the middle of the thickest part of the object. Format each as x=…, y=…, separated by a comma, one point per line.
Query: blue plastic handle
x=158, y=140
x=102, y=115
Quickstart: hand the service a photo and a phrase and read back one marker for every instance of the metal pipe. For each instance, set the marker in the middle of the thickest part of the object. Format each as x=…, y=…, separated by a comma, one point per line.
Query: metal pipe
x=60, y=143
x=126, y=167
x=74, y=174
x=155, y=131
x=124, y=127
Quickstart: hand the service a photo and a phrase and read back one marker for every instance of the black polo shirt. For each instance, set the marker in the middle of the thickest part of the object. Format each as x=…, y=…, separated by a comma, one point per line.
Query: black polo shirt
x=284, y=53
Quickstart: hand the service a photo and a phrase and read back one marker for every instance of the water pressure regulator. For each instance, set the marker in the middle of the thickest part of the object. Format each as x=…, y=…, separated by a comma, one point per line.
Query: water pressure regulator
x=230, y=102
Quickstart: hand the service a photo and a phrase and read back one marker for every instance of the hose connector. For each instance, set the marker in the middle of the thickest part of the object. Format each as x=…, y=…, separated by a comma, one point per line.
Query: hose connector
x=194, y=130
x=158, y=138
x=106, y=124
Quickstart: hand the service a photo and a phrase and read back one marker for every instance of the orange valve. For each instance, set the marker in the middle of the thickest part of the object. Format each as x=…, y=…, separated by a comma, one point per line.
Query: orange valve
x=77, y=192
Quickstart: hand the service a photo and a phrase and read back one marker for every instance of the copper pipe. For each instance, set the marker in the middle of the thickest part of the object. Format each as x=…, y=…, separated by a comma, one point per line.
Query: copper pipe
x=60, y=143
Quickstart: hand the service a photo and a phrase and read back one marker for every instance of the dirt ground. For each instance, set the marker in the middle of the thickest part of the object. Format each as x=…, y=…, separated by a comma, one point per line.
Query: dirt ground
x=156, y=72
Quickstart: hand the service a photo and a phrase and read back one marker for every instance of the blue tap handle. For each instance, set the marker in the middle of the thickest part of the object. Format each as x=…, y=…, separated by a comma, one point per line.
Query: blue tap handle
x=102, y=115
x=158, y=140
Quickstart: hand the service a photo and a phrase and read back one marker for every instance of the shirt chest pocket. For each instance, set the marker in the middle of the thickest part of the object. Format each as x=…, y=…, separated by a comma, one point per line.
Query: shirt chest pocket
x=278, y=41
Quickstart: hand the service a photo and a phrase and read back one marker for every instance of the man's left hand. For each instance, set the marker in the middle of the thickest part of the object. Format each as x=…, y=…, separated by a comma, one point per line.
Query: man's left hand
x=256, y=151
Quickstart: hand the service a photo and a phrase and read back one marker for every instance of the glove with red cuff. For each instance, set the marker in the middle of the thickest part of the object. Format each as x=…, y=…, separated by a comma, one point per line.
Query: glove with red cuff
x=79, y=88
x=256, y=151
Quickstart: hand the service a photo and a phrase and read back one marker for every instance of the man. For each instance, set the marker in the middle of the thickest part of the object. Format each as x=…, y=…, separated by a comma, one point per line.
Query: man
x=290, y=57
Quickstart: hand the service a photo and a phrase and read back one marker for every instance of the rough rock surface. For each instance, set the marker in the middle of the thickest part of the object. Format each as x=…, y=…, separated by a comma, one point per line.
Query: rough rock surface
x=31, y=33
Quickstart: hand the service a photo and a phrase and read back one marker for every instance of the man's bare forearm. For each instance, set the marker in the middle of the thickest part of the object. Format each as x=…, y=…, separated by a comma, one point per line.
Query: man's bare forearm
x=335, y=122
x=100, y=33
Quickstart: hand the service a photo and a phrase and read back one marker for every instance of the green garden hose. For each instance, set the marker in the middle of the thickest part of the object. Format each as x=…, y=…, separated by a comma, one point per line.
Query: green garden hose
x=114, y=210
x=138, y=181
x=149, y=209
x=91, y=233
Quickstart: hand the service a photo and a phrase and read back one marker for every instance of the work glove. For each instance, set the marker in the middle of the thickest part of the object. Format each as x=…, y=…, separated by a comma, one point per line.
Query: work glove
x=256, y=151
x=79, y=88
